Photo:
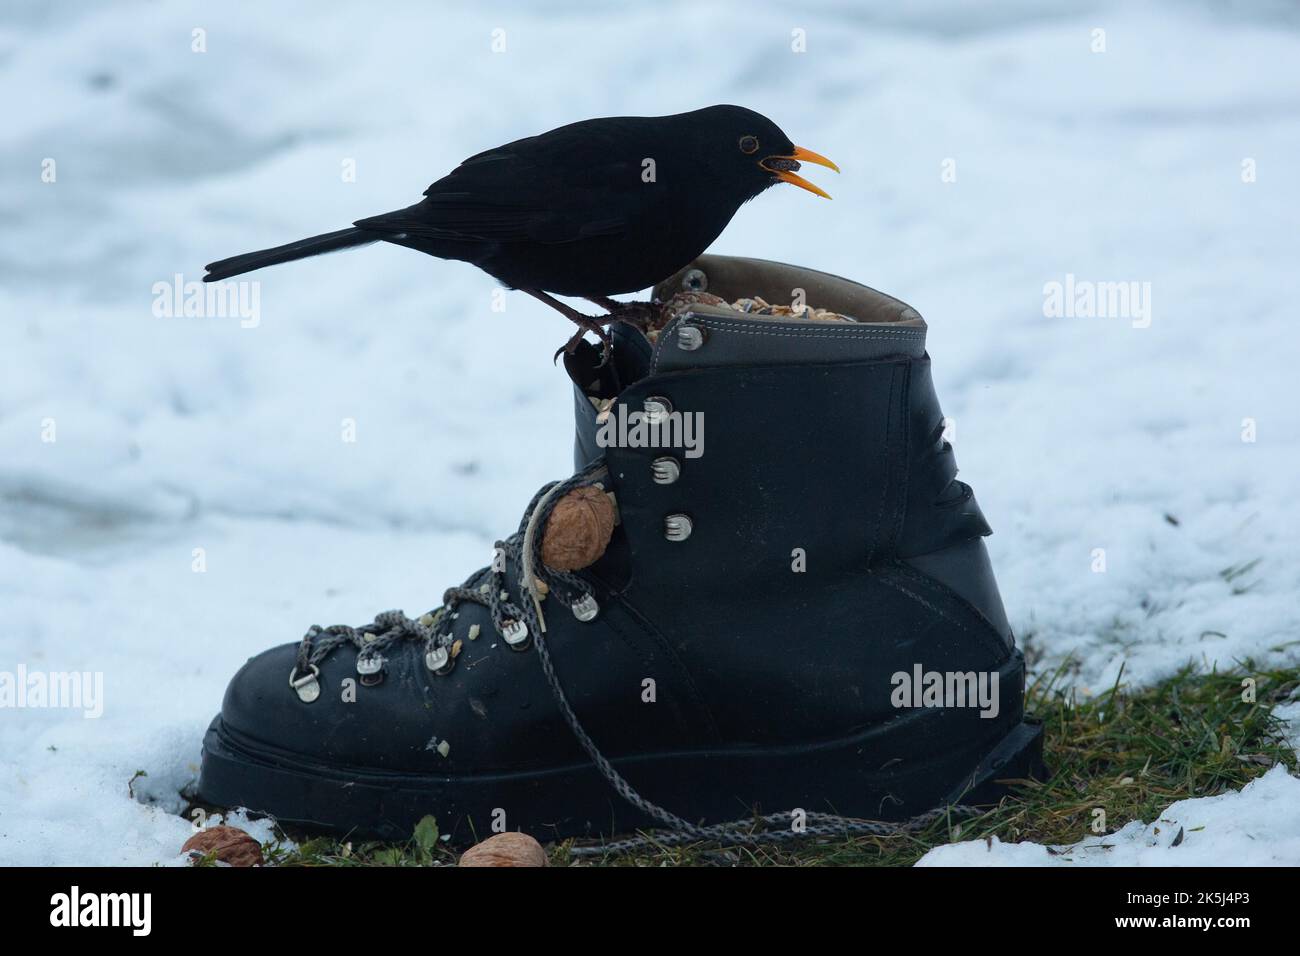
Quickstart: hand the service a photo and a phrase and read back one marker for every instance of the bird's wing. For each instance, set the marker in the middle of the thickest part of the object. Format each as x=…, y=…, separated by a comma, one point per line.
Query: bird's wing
x=570, y=184
x=471, y=216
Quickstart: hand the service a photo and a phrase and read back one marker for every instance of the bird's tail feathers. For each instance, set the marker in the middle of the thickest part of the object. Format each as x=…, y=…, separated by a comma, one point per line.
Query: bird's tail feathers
x=313, y=246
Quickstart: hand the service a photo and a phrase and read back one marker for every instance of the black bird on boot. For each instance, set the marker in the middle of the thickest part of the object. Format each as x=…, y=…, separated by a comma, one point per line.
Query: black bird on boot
x=590, y=210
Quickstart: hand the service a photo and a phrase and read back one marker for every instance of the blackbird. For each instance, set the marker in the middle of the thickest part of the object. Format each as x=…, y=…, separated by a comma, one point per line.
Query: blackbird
x=589, y=210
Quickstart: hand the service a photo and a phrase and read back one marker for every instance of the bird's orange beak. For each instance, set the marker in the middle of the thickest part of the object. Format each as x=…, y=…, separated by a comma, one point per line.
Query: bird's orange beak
x=783, y=168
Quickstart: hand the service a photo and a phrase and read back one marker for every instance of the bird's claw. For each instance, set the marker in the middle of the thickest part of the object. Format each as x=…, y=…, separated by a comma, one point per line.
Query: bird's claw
x=571, y=346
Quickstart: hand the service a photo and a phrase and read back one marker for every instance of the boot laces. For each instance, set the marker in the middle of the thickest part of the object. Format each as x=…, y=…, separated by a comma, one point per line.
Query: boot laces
x=487, y=587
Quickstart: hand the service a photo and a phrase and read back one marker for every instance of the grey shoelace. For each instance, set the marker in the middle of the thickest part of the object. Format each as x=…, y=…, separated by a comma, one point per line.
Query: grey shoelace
x=487, y=587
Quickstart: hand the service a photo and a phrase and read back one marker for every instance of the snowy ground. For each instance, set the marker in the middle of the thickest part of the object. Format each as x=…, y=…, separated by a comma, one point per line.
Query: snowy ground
x=1256, y=826
x=176, y=434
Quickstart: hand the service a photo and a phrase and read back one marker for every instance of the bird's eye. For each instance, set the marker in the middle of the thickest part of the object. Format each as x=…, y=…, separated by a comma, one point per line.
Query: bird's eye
x=749, y=144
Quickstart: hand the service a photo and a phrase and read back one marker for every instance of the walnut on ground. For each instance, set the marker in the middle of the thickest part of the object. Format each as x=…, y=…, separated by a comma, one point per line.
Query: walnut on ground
x=230, y=845
x=505, y=849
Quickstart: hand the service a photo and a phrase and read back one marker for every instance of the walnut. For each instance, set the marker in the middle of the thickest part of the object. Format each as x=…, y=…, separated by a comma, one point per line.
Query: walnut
x=505, y=849
x=230, y=844
x=578, y=530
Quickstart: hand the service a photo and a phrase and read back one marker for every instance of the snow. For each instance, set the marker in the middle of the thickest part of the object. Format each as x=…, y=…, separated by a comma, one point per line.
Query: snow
x=1289, y=715
x=1256, y=826
x=174, y=434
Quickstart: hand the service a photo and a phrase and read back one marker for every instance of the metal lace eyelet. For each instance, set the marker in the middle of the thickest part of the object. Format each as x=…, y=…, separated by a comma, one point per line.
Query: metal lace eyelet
x=656, y=409
x=586, y=608
x=689, y=337
x=665, y=470
x=439, y=660
x=695, y=281
x=515, y=634
x=370, y=667
x=306, y=686
x=678, y=527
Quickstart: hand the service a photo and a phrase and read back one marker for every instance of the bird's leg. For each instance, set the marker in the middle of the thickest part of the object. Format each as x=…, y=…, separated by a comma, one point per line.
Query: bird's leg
x=635, y=314
x=605, y=302
x=585, y=323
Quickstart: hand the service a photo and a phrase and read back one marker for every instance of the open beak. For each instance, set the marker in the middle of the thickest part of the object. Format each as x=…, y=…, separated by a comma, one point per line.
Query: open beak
x=783, y=168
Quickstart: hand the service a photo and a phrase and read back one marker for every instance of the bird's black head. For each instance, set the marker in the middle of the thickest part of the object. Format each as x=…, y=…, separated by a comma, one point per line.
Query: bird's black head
x=748, y=152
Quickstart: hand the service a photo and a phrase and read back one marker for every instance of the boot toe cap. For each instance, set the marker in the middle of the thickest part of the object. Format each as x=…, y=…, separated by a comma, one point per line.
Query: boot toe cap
x=338, y=722
x=492, y=712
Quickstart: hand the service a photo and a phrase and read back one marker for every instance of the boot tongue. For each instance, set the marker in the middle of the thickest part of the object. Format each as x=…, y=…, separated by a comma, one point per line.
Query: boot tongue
x=630, y=363
x=632, y=354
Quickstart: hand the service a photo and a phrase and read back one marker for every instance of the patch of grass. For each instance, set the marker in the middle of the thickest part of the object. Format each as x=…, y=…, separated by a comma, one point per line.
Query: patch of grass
x=1128, y=752
x=423, y=849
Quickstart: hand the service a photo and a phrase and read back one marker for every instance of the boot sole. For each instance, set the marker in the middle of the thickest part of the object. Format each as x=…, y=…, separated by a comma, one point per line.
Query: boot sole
x=576, y=801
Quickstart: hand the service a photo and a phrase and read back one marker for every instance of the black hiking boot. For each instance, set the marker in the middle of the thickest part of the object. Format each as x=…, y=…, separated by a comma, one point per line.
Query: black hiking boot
x=795, y=612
